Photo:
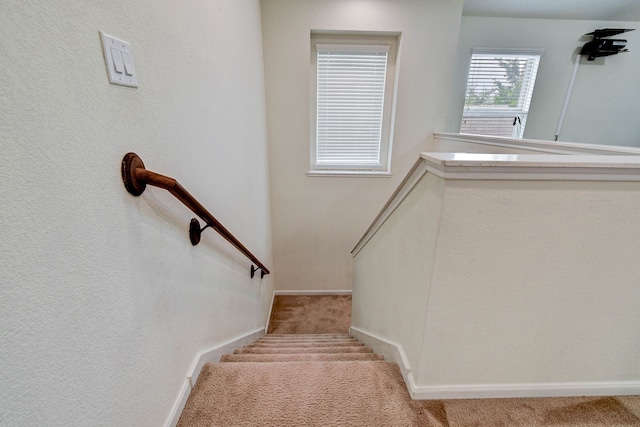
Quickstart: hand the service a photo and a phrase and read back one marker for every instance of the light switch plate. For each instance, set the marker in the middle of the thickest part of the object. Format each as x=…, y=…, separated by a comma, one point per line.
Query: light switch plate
x=119, y=60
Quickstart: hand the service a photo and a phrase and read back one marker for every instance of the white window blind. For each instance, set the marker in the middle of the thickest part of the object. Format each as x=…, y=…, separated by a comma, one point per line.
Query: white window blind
x=350, y=104
x=499, y=90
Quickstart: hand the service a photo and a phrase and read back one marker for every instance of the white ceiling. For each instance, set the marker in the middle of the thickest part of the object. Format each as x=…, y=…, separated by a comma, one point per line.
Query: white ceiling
x=596, y=10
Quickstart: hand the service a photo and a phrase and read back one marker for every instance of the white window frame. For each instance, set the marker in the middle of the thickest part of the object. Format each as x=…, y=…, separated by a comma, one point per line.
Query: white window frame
x=520, y=113
x=360, y=43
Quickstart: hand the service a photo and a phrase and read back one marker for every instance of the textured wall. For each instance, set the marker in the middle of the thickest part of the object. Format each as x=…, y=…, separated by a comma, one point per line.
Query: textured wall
x=393, y=270
x=602, y=109
x=318, y=220
x=535, y=282
x=519, y=283
x=104, y=301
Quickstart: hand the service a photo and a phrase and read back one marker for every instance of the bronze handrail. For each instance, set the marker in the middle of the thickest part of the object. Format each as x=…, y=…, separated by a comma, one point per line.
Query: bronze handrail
x=136, y=178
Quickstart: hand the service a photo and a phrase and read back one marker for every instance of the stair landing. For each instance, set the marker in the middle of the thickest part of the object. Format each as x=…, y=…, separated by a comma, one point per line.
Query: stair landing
x=317, y=314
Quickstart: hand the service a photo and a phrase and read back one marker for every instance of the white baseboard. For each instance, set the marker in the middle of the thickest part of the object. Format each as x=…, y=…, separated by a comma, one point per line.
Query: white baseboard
x=211, y=355
x=179, y=404
x=489, y=391
x=266, y=326
x=395, y=352
x=336, y=292
x=391, y=351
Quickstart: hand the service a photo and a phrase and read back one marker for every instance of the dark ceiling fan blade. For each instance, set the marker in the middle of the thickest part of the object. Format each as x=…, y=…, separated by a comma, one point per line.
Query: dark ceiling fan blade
x=608, y=32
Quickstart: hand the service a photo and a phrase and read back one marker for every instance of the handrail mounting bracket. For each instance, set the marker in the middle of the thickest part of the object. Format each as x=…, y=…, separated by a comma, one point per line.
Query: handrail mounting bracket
x=255, y=269
x=194, y=231
x=130, y=163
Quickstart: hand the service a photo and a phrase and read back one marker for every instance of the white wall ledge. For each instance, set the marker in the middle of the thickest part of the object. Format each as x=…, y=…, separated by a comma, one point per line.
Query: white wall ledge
x=556, y=147
x=417, y=171
x=546, y=167
x=514, y=167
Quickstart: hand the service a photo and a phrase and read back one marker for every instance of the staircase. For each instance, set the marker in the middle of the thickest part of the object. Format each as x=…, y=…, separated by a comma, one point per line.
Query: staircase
x=300, y=348
x=307, y=372
x=303, y=380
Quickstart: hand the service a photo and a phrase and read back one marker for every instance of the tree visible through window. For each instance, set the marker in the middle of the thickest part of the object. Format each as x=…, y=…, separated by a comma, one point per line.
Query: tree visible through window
x=499, y=90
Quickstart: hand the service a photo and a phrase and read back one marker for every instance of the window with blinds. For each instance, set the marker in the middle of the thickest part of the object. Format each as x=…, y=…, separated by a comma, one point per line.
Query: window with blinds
x=352, y=106
x=499, y=90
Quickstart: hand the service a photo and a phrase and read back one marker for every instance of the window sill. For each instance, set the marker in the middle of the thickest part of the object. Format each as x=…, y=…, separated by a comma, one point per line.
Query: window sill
x=349, y=174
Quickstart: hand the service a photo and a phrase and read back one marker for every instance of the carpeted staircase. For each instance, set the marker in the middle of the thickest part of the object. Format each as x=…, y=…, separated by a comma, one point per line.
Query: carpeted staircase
x=303, y=380
x=300, y=348
x=308, y=372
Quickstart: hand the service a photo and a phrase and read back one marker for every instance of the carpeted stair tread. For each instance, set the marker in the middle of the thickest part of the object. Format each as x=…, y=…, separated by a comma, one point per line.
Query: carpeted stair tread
x=326, y=357
x=308, y=337
x=301, y=338
x=306, y=344
x=297, y=350
x=294, y=338
x=302, y=394
x=328, y=343
x=303, y=343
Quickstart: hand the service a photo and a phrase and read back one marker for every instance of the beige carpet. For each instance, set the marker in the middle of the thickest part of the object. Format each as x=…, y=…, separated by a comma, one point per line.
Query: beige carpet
x=318, y=380
x=560, y=412
x=310, y=314
x=318, y=377
x=301, y=394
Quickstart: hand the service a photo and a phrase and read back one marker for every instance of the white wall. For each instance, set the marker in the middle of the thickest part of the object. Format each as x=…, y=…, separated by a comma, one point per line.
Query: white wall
x=391, y=292
x=603, y=107
x=104, y=301
x=506, y=288
x=544, y=291
x=317, y=220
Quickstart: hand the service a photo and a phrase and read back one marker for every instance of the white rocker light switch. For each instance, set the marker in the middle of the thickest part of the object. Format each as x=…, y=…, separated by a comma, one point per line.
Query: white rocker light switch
x=119, y=60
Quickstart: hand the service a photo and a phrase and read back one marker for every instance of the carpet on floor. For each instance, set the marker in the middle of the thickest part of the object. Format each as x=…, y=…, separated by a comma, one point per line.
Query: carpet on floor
x=308, y=372
x=317, y=314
